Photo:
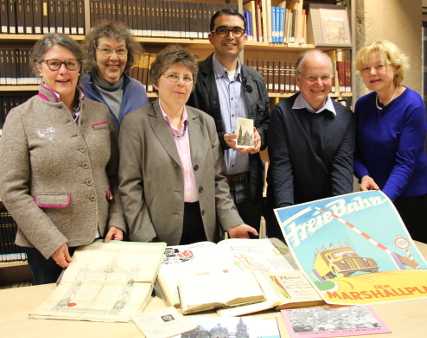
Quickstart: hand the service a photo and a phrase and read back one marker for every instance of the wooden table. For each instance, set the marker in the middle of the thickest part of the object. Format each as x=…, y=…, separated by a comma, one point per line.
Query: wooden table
x=404, y=318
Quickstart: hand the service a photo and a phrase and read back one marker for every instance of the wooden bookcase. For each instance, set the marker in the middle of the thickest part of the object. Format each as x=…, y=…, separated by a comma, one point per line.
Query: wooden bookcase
x=253, y=50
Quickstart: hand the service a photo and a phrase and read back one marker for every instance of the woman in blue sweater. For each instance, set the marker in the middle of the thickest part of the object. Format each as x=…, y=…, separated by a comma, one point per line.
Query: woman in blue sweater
x=390, y=139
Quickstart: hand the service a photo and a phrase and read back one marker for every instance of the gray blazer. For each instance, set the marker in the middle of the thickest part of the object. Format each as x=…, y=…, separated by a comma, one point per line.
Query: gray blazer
x=151, y=181
x=55, y=176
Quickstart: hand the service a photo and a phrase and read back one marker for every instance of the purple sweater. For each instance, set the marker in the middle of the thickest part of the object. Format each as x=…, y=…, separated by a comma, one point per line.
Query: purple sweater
x=390, y=144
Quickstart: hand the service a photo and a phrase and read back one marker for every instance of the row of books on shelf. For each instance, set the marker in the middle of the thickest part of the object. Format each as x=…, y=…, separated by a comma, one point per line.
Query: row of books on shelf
x=42, y=16
x=140, y=70
x=279, y=75
x=275, y=21
x=15, y=68
x=7, y=102
x=9, y=251
x=154, y=18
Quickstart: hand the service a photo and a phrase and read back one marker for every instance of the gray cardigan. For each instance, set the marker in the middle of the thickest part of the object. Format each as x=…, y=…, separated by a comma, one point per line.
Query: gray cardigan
x=55, y=176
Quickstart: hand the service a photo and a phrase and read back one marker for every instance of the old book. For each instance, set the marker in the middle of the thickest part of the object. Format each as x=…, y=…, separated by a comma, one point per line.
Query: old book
x=80, y=17
x=270, y=76
x=105, y=282
x=73, y=17
x=282, y=76
x=140, y=21
x=347, y=67
x=2, y=67
x=52, y=16
x=276, y=76
x=13, y=66
x=132, y=12
x=4, y=17
x=119, y=10
x=20, y=16
x=12, y=16
x=45, y=16
x=143, y=68
x=37, y=14
x=29, y=19
x=67, y=17
x=230, y=255
x=282, y=290
x=341, y=75
x=150, y=87
x=125, y=13
x=205, y=292
x=59, y=16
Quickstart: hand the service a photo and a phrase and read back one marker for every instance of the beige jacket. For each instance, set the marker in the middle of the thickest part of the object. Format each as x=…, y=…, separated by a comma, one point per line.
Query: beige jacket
x=151, y=181
x=56, y=176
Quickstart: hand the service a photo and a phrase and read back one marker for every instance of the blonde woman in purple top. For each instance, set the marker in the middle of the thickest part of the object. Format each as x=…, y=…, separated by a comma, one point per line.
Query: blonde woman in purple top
x=390, y=139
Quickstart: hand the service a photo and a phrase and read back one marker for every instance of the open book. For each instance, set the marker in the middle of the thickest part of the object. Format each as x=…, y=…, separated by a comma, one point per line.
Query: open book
x=261, y=256
x=204, y=292
x=282, y=290
x=105, y=282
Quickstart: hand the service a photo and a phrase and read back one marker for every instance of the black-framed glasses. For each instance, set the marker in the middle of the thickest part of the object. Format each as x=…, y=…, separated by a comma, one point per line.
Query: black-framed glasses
x=55, y=64
x=109, y=51
x=175, y=77
x=313, y=78
x=223, y=31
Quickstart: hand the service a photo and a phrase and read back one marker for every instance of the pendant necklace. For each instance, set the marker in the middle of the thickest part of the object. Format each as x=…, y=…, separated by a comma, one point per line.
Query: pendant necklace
x=183, y=133
x=392, y=98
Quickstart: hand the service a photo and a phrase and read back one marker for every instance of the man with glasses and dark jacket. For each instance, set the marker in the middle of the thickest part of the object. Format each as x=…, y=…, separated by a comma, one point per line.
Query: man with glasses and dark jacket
x=226, y=89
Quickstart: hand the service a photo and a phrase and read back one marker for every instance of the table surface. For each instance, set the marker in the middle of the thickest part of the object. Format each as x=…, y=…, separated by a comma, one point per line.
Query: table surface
x=404, y=318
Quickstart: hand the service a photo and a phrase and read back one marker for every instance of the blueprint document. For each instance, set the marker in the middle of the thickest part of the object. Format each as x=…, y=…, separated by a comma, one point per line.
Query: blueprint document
x=105, y=282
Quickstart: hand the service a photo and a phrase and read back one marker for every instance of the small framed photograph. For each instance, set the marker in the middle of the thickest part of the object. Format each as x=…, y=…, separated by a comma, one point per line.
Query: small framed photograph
x=245, y=133
x=328, y=25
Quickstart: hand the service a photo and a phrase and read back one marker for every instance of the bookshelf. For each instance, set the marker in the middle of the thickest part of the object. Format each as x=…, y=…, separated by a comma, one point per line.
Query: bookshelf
x=255, y=50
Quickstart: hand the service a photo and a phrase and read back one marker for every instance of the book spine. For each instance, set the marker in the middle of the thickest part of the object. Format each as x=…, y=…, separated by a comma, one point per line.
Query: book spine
x=67, y=17
x=119, y=11
x=29, y=17
x=73, y=17
x=139, y=21
x=59, y=17
x=4, y=17
x=20, y=16
x=2, y=67
x=14, y=66
x=80, y=17
x=12, y=17
x=37, y=14
x=52, y=16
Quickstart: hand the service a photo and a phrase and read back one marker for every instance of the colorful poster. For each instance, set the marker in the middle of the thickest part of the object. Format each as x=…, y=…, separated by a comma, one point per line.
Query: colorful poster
x=355, y=249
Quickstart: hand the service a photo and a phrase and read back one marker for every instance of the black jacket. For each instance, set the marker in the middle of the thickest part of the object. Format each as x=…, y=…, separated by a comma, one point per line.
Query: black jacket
x=206, y=97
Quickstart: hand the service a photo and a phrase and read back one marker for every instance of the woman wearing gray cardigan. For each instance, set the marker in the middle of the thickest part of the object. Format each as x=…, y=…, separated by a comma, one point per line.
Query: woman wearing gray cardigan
x=59, y=164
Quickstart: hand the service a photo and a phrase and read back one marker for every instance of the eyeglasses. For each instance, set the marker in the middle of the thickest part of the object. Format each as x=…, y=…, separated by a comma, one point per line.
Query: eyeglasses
x=175, y=77
x=109, y=51
x=313, y=78
x=55, y=64
x=223, y=31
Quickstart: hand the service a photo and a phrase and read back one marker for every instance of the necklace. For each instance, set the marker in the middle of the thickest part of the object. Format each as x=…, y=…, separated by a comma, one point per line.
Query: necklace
x=392, y=98
x=183, y=132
